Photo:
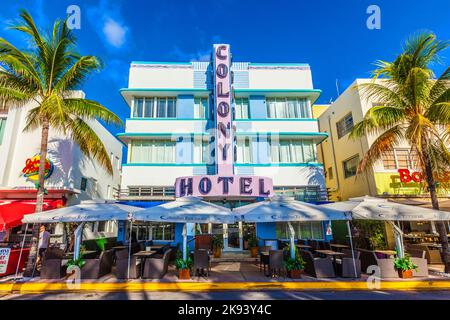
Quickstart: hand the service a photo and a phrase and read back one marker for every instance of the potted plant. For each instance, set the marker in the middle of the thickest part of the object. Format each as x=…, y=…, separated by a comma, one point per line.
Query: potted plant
x=80, y=262
x=183, y=267
x=253, y=245
x=294, y=267
x=217, y=243
x=245, y=243
x=404, y=267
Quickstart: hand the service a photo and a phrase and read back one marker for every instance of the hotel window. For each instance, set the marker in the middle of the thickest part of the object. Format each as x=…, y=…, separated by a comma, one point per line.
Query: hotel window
x=330, y=173
x=83, y=184
x=350, y=166
x=344, y=125
x=155, y=107
x=163, y=231
x=303, y=230
x=153, y=151
x=243, y=149
x=201, y=109
x=399, y=158
x=241, y=108
x=292, y=151
x=288, y=108
x=2, y=128
x=201, y=151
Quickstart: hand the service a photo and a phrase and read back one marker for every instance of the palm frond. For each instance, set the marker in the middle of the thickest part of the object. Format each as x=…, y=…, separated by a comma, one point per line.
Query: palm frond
x=77, y=73
x=90, y=144
x=89, y=109
x=383, y=143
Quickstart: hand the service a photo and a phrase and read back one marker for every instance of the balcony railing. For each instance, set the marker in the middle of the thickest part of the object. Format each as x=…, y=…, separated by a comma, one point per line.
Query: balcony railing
x=145, y=193
x=301, y=193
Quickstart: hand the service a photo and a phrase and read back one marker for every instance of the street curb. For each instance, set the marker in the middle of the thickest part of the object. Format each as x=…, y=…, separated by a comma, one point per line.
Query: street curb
x=47, y=287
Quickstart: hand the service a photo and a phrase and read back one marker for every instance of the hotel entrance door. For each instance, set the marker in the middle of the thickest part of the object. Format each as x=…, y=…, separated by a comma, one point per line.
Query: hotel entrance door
x=232, y=235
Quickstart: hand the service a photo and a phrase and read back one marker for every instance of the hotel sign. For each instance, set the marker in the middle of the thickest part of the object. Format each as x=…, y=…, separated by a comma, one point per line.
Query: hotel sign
x=224, y=183
x=222, y=97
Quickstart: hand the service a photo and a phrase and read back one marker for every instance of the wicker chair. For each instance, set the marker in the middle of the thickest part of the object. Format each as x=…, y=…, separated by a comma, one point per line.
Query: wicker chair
x=317, y=267
x=97, y=267
x=346, y=265
x=51, y=267
x=156, y=268
x=122, y=265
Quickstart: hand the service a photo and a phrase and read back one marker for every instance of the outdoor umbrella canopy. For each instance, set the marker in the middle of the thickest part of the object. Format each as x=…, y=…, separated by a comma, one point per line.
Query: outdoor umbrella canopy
x=371, y=208
x=287, y=209
x=85, y=212
x=187, y=210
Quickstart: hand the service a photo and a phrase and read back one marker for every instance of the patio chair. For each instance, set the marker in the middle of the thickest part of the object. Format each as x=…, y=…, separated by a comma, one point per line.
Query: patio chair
x=314, y=244
x=433, y=256
x=156, y=268
x=263, y=259
x=201, y=261
x=317, y=267
x=97, y=267
x=51, y=267
x=367, y=258
x=346, y=266
x=418, y=257
x=122, y=265
x=276, y=265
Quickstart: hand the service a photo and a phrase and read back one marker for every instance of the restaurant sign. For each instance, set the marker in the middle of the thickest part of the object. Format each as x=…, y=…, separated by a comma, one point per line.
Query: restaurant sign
x=407, y=176
x=31, y=169
x=4, y=258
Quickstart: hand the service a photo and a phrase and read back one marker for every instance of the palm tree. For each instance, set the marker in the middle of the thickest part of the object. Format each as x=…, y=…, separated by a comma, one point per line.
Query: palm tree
x=45, y=75
x=412, y=106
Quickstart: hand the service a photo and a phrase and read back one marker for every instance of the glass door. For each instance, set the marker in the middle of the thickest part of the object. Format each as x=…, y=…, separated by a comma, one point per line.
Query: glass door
x=232, y=237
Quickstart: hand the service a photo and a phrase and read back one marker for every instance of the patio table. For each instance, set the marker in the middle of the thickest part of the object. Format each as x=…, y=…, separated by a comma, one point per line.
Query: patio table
x=338, y=246
x=142, y=255
x=387, y=253
x=303, y=246
x=69, y=255
x=333, y=254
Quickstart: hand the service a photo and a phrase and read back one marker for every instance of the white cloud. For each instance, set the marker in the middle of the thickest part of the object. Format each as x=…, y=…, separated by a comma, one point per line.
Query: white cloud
x=114, y=32
x=107, y=20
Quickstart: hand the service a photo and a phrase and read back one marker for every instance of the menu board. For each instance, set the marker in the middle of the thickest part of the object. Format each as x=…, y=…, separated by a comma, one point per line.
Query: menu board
x=4, y=258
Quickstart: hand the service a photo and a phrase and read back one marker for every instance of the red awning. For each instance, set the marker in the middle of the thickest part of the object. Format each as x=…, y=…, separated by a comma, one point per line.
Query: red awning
x=12, y=211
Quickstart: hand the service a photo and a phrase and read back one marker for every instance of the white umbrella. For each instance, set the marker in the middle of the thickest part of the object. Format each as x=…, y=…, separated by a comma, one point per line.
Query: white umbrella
x=187, y=210
x=371, y=208
x=86, y=211
x=287, y=209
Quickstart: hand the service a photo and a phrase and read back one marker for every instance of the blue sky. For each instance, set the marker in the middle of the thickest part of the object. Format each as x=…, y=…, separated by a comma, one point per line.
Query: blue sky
x=329, y=35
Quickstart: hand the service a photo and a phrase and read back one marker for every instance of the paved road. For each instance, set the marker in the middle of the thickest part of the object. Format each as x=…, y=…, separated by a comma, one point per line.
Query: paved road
x=244, y=295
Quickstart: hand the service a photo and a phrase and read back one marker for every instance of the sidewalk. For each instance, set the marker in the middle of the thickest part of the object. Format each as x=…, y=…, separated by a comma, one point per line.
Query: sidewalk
x=224, y=276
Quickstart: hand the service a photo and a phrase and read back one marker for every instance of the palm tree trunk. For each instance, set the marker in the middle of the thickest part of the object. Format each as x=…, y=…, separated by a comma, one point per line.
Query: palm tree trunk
x=435, y=203
x=39, y=199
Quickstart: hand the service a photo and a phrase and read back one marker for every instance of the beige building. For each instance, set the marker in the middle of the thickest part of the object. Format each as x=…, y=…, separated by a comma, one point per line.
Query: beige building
x=395, y=175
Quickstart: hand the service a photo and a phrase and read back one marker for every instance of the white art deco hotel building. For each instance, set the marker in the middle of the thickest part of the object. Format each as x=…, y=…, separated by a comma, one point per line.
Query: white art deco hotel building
x=175, y=109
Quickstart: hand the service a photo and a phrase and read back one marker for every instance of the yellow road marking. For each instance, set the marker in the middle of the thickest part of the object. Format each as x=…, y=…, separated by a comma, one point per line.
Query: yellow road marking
x=42, y=287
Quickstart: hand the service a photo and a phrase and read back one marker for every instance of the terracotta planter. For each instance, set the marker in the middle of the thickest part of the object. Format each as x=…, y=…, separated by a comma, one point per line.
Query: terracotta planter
x=295, y=274
x=217, y=252
x=405, y=274
x=184, y=274
x=254, y=252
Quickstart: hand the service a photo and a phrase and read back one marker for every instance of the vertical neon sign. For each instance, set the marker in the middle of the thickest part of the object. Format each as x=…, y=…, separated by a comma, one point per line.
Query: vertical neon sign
x=222, y=95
